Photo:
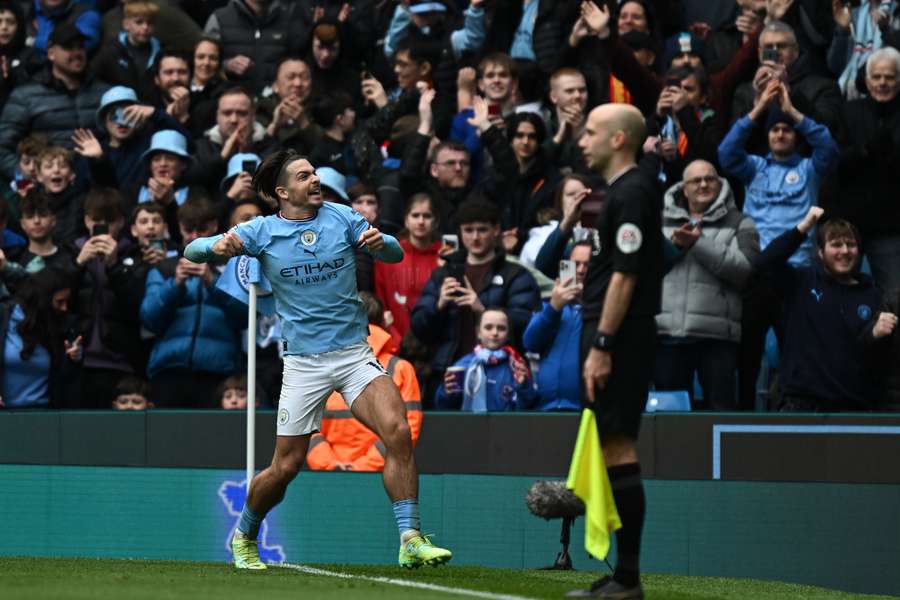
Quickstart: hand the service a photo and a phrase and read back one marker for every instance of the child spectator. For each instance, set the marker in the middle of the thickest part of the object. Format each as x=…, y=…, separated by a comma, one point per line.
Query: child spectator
x=56, y=176
x=234, y=393
x=39, y=224
x=493, y=377
x=132, y=393
x=129, y=60
x=28, y=151
x=335, y=115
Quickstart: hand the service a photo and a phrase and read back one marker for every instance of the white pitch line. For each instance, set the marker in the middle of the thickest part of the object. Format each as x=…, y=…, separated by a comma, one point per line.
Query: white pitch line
x=405, y=583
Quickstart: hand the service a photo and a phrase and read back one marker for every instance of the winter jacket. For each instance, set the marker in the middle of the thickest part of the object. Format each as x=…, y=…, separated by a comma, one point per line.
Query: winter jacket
x=702, y=292
x=289, y=135
x=45, y=105
x=503, y=392
x=264, y=40
x=509, y=286
x=398, y=285
x=343, y=439
x=828, y=341
x=779, y=193
x=556, y=337
x=870, y=162
x=114, y=64
x=209, y=167
x=107, y=301
x=81, y=13
x=195, y=329
x=414, y=179
x=551, y=27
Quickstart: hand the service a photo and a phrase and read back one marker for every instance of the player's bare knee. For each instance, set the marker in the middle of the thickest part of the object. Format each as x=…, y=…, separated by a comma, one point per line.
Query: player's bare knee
x=286, y=468
x=397, y=436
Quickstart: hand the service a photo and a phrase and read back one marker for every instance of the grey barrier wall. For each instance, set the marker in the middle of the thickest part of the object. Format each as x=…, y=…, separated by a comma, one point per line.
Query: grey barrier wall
x=698, y=446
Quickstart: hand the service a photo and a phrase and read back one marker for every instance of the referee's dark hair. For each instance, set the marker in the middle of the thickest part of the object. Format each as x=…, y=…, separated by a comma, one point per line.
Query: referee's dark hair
x=271, y=172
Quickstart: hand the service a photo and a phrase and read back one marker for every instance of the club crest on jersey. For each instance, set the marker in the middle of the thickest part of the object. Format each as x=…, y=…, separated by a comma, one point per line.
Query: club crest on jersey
x=308, y=237
x=629, y=238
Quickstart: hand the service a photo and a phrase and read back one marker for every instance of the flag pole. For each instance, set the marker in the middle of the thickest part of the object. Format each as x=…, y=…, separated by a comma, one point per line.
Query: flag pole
x=251, y=385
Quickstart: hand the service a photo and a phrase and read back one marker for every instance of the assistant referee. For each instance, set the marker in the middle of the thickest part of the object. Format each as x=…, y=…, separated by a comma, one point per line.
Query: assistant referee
x=621, y=298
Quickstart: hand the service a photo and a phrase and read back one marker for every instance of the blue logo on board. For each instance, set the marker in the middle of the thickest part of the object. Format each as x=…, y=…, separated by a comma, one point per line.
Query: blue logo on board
x=233, y=494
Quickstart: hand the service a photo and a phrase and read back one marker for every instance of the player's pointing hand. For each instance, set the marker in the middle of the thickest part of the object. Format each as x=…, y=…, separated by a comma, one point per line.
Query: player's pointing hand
x=229, y=245
x=372, y=239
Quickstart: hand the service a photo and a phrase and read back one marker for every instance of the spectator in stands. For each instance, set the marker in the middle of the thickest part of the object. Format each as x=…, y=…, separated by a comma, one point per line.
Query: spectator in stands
x=568, y=97
x=129, y=60
x=38, y=221
x=174, y=27
x=243, y=211
x=233, y=393
x=891, y=400
x=171, y=85
x=474, y=278
x=335, y=115
x=858, y=32
x=831, y=320
x=782, y=60
x=129, y=126
x=331, y=73
x=38, y=364
x=8, y=239
x=17, y=59
x=255, y=35
x=521, y=180
x=723, y=44
x=197, y=343
x=345, y=444
x=28, y=151
x=399, y=285
x=55, y=102
x=107, y=299
x=285, y=113
x=51, y=15
x=364, y=200
x=207, y=82
x=870, y=161
x=554, y=333
x=700, y=322
x=132, y=393
x=779, y=189
x=568, y=198
x=236, y=130
x=56, y=177
x=493, y=377
x=238, y=183
x=151, y=241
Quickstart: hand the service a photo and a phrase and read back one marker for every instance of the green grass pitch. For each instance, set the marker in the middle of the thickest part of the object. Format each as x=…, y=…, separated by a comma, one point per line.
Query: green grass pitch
x=91, y=579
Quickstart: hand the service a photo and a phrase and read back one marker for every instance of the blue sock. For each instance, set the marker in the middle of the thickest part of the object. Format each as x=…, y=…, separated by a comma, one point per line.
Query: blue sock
x=407, y=514
x=249, y=523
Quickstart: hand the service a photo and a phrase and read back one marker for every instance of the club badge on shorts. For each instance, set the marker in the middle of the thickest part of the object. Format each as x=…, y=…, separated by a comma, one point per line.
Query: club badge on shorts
x=629, y=238
x=283, y=416
x=308, y=237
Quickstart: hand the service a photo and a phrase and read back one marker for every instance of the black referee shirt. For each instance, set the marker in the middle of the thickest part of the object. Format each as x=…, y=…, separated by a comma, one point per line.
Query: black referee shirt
x=628, y=240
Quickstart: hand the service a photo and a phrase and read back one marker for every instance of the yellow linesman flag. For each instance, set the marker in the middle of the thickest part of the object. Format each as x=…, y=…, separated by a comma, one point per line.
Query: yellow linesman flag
x=589, y=481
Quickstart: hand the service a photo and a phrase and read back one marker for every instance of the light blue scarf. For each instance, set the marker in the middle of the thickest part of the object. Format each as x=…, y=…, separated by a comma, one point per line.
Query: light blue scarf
x=181, y=195
x=475, y=385
x=866, y=39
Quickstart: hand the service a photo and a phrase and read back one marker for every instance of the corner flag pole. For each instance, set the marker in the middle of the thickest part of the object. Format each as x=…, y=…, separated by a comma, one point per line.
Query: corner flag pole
x=251, y=384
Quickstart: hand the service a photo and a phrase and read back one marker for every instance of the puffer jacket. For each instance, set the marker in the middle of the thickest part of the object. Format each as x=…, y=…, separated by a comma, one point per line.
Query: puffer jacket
x=44, y=105
x=702, y=292
x=343, y=438
x=779, y=192
x=510, y=286
x=195, y=329
x=551, y=26
x=265, y=41
x=80, y=13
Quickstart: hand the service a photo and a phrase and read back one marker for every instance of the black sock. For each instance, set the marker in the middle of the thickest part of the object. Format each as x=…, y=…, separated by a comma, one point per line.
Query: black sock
x=628, y=491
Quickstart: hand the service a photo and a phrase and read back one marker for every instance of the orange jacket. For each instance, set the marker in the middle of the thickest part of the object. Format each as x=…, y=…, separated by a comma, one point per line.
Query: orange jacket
x=344, y=439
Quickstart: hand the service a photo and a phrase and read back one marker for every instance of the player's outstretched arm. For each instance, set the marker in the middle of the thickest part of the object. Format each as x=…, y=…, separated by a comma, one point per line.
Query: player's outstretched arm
x=382, y=246
x=205, y=249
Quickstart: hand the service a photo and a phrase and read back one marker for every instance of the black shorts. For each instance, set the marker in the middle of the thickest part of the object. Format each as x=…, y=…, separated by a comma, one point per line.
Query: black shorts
x=619, y=407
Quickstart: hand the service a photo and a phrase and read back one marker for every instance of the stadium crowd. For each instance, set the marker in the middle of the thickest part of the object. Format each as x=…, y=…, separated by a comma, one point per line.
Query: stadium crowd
x=129, y=129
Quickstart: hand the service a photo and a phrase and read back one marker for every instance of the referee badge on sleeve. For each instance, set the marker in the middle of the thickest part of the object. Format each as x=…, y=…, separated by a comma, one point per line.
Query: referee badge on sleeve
x=629, y=238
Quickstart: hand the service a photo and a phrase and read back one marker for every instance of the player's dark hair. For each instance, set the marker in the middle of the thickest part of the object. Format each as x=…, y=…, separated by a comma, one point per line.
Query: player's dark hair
x=271, y=172
x=374, y=308
x=476, y=210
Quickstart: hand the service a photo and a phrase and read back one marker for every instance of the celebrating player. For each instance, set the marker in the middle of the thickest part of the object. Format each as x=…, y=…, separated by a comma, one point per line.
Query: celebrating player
x=307, y=253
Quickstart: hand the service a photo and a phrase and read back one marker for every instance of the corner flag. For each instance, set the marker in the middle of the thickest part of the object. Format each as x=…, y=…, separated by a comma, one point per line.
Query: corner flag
x=589, y=481
x=235, y=281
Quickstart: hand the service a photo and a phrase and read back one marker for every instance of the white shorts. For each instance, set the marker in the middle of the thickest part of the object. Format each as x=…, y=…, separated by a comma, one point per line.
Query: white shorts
x=309, y=380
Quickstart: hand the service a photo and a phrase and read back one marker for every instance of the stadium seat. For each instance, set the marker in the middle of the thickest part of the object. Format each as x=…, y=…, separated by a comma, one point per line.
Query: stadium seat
x=668, y=401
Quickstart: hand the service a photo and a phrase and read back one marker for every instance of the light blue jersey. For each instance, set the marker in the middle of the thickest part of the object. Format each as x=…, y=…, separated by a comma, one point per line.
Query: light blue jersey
x=312, y=268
